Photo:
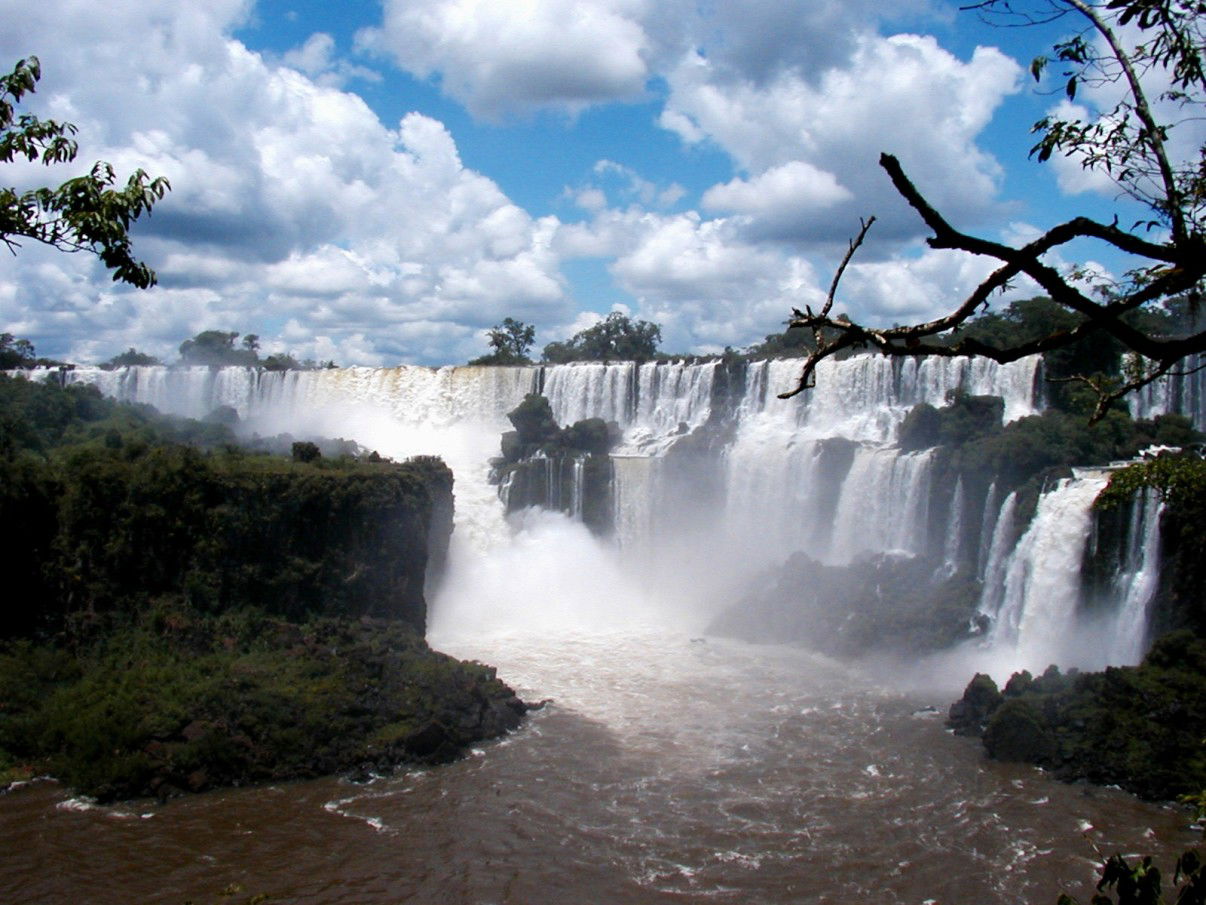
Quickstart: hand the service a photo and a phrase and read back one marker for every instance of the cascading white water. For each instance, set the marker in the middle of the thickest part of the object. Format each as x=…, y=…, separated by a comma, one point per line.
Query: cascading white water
x=1037, y=615
x=1136, y=582
x=1004, y=536
x=954, y=532
x=818, y=473
x=987, y=525
x=1183, y=391
x=652, y=403
x=884, y=504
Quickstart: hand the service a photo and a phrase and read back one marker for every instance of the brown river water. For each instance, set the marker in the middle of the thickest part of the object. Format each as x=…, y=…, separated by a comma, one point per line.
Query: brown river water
x=666, y=770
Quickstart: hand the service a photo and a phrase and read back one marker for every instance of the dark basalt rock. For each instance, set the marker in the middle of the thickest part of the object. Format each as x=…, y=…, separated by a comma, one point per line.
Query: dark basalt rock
x=970, y=714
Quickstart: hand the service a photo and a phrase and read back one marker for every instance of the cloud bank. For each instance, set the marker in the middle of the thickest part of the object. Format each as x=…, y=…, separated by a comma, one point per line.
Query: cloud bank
x=298, y=213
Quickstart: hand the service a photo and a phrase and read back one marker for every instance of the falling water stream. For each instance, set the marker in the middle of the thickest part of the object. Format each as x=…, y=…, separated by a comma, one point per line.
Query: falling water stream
x=667, y=767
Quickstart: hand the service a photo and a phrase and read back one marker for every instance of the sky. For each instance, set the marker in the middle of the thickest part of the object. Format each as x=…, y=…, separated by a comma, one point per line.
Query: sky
x=378, y=182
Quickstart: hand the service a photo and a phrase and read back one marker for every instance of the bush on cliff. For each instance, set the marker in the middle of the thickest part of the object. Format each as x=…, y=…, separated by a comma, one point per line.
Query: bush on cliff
x=1142, y=728
x=176, y=700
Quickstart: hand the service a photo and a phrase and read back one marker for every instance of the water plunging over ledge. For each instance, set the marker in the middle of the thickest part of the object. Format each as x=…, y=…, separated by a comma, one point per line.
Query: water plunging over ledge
x=669, y=768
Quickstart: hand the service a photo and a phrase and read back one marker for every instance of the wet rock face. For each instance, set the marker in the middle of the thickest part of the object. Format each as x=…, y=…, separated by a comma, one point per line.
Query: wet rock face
x=563, y=469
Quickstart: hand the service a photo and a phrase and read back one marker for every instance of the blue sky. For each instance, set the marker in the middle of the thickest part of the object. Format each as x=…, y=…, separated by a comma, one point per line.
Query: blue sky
x=379, y=181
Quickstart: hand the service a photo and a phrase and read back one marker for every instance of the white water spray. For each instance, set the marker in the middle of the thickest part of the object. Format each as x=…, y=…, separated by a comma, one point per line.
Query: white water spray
x=817, y=473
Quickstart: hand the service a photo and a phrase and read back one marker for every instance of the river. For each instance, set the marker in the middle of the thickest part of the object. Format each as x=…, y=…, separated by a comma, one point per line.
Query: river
x=665, y=769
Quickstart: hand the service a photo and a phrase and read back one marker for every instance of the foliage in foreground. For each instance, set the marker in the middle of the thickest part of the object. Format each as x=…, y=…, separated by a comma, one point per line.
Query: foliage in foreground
x=1142, y=884
x=87, y=213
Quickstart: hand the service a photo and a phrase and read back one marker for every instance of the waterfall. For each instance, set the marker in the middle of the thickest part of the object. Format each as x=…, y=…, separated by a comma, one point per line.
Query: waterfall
x=996, y=563
x=1137, y=580
x=1037, y=615
x=653, y=403
x=1182, y=392
x=884, y=504
x=987, y=526
x=633, y=500
x=713, y=480
x=954, y=532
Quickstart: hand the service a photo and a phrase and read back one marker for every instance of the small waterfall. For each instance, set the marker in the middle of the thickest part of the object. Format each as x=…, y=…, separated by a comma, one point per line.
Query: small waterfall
x=1041, y=595
x=634, y=500
x=884, y=504
x=577, y=486
x=987, y=524
x=1137, y=580
x=1183, y=392
x=1003, y=538
x=653, y=403
x=954, y=532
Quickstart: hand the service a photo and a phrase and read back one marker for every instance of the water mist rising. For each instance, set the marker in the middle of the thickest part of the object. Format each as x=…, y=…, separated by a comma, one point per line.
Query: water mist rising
x=715, y=478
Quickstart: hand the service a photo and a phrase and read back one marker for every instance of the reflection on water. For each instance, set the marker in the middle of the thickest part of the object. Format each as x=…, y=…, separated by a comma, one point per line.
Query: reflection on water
x=665, y=770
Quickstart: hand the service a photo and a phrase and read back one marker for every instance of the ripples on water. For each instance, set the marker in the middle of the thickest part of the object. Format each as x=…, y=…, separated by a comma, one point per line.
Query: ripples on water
x=666, y=770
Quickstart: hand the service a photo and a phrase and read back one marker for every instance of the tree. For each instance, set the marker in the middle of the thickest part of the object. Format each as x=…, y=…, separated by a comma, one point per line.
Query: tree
x=87, y=213
x=15, y=353
x=510, y=341
x=216, y=348
x=131, y=358
x=616, y=337
x=283, y=361
x=1126, y=143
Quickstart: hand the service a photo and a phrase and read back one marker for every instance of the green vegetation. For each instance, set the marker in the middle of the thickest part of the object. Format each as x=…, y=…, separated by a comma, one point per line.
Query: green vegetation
x=119, y=507
x=1180, y=481
x=19, y=353
x=171, y=700
x=217, y=349
x=131, y=358
x=511, y=340
x=615, y=338
x=1142, y=884
x=182, y=613
x=15, y=353
x=83, y=214
x=1141, y=728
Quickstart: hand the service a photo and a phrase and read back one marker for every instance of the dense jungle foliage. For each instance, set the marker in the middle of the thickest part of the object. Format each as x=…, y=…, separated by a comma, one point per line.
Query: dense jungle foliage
x=183, y=613
x=170, y=700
